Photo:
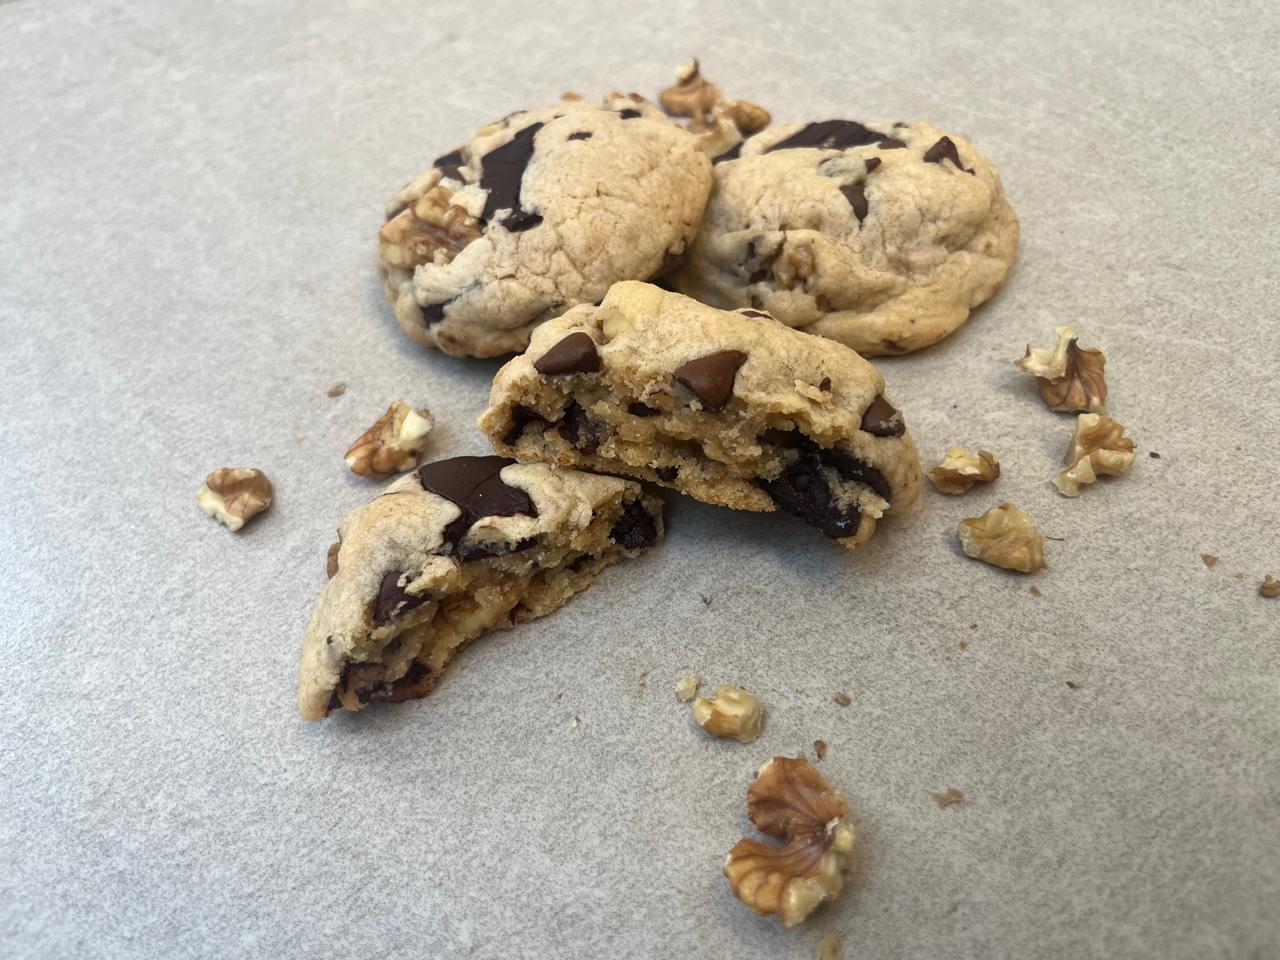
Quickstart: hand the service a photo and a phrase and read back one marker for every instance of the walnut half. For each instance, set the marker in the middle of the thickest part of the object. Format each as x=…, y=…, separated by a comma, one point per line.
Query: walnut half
x=960, y=470
x=392, y=444
x=1099, y=448
x=1070, y=378
x=732, y=712
x=233, y=495
x=1005, y=537
x=790, y=800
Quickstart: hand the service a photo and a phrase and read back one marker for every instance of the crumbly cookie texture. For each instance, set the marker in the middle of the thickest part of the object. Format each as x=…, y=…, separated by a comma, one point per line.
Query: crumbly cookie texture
x=449, y=552
x=883, y=237
x=734, y=409
x=538, y=212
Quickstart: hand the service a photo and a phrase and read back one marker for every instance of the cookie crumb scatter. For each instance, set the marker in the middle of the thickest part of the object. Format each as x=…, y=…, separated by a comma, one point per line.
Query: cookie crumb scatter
x=687, y=687
x=842, y=698
x=235, y=495
x=1208, y=559
x=948, y=797
x=1074, y=685
x=1270, y=587
x=830, y=947
x=820, y=749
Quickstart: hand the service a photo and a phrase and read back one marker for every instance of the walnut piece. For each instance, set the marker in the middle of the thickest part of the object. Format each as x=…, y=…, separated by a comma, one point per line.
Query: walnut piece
x=687, y=687
x=430, y=229
x=232, y=495
x=732, y=712
x=1070, y=378
x=790, y=800
x=948, y=797
x=1099, y=448
x=1270, y=587
x=1005, y=537
x=960, y=470
x=718, y=124
x=830, y=947
x=392, y=444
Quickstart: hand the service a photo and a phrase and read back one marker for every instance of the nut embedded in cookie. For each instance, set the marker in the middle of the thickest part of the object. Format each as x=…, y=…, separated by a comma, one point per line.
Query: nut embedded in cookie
x=960, y=470
x=790, y=800
x=1005, y=537
x=1070, y=378
x=392, y=444
x=1099, y=448
x=234, y=495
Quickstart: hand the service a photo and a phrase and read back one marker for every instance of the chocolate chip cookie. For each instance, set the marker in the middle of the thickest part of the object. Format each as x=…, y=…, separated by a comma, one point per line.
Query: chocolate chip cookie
x=882, y=237
x=734, y=409
x=538, y=212
x=449, y=552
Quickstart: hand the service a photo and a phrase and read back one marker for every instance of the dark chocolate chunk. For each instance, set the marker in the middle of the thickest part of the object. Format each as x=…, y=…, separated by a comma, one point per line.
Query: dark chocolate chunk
x=667, y=474
x=638, y=409
x=871, y=163
x=434, y=312
x=711, y=377
x=671, y=262
x=580, y=135
x=576, y=353
x=417, y=672
x=855, y=471
x=521, y=417
x=581, y=430
x=762, y=267
x=491, y=548
x=803, y=491
x=501, y=171
x=882, y=419
x=829, y=135
x=731, y=154
x=781, y=438
x=393, y=600
x=755, y=313
x=577, y=563
x=892, y=143
x=944, y=149
x=856, y=194
x=450, y=163
x=635, y=528
x=825, y=385
x=335, y=702
x=475, y=485
x=628, y=114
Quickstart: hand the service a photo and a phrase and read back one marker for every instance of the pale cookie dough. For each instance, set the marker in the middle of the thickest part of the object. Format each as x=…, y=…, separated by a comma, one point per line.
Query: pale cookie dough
x=734, y=409
x=451, y=551
x=881, y=237
x=538, y=212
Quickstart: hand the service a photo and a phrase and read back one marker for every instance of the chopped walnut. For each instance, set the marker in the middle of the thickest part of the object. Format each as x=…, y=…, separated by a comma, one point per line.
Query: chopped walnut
x=687, y=687
x=392, y=444
x=1099, y=448
x=1270, y=587
x=718, y=124
x=233, y=495
x=1208, y=559
x=830, y=947
x=960, y=470
x=1070, y=378
x=790, y=800
x=431, y=229
x=1005, y=537
x=732, y=712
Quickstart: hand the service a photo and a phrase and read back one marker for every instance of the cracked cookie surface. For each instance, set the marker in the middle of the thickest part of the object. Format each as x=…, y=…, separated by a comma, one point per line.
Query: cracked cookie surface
x=732, y=408
x=538, y=212
x=449, y=552
x=883, y=237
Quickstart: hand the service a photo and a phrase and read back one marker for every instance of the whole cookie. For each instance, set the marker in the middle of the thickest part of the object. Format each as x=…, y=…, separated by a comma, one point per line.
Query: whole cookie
x=538, y=212
x=883, y=237
x=734, y=409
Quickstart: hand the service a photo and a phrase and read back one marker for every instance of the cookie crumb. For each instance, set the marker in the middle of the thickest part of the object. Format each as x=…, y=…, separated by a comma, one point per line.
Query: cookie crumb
x=556, y=698
x=1035, y=591
x=964, y=645
x=1239, y=574
x=842, y=698
x=1270, y=587
x=706, y=600
x=337, y=390
x=1209, y=559
x=948, y=797
x=1153, y=455
x=820, y=749
x=830, y=947
x=578, y=722
x=1074, y=685
x=644, y=678
x=687, y=687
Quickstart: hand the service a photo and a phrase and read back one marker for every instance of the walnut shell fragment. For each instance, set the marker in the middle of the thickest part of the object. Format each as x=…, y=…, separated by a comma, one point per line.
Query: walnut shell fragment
x=234, y=495
x=1070, y=377
x=1099, y=448
x=960, y=470
x=1005, y=537
x=790, y=800
x=392, y=444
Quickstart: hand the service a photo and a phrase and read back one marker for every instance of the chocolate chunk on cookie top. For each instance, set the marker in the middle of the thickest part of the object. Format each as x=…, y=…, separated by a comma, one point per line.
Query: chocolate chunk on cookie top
x=882, y=236
x=449, y=552
x=538, y=212
x=734, y=409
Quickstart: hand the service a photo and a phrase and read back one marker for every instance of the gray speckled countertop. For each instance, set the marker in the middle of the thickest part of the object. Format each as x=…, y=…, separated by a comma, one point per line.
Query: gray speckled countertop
x=188, y=197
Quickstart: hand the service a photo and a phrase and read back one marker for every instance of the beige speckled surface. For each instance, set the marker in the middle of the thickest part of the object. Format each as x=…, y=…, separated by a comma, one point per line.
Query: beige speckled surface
x=189, y=194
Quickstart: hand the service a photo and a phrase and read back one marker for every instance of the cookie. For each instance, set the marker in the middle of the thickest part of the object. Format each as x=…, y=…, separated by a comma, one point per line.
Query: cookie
x=734, y=409
x=449, y=552
x=538, y=212
x=881, y=237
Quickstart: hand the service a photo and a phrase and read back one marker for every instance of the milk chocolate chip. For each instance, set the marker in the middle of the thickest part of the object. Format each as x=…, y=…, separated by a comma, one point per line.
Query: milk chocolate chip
x=576, y=353
x=711, y=377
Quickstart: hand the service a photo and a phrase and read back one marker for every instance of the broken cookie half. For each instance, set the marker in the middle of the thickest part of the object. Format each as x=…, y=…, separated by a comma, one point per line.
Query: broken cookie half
x=733, y=408
x=449, y=552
